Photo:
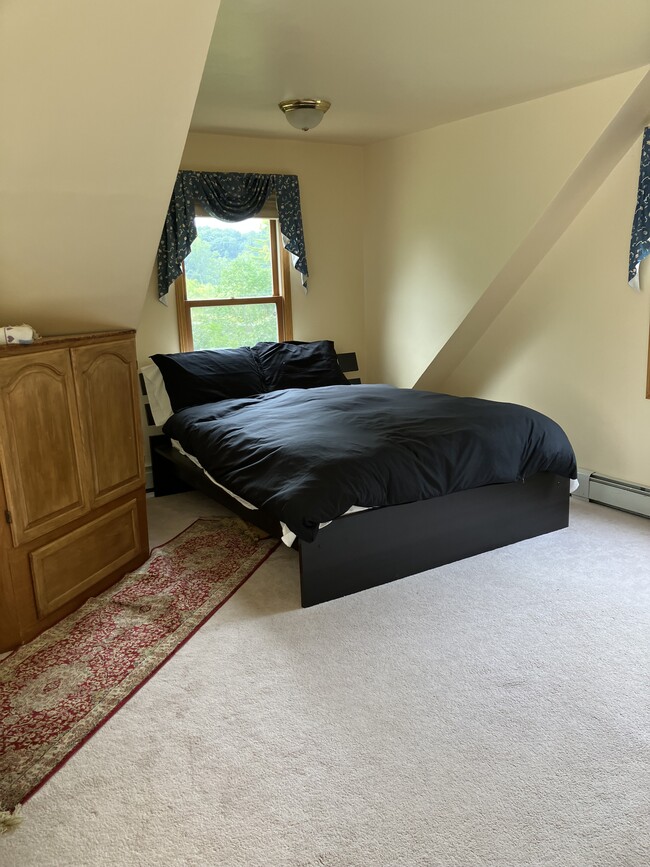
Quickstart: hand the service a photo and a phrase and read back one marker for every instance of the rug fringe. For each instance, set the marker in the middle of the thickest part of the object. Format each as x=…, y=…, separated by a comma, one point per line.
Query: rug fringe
x=10, y=819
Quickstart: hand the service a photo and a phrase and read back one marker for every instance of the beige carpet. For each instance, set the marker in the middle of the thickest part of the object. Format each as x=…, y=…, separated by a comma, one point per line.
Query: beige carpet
x=493, y=712
x=56, y=691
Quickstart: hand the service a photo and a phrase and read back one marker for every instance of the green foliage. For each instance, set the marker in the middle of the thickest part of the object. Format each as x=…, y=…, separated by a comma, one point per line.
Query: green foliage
x=225, y=263
x=224, y=241
x=228, y=327
x=202, y=266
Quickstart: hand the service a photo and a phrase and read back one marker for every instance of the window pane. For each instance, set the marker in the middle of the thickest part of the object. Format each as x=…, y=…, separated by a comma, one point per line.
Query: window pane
x=234, y=325
x=229, y=260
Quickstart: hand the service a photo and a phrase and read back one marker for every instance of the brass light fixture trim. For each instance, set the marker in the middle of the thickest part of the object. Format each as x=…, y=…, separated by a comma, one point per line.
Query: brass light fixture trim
x=304, y=114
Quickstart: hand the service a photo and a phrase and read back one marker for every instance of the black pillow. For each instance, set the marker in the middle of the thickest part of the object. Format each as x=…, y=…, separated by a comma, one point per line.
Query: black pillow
x=208, y=375
x=295, y=364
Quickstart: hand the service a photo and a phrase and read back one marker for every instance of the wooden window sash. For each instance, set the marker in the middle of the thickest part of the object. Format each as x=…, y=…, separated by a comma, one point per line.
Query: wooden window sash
x=647, y=385
x=285, y=285
x=185, y=338
x=237, y=302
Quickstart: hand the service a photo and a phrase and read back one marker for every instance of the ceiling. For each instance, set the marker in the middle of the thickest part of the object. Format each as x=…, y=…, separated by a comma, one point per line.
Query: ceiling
x=391, y=68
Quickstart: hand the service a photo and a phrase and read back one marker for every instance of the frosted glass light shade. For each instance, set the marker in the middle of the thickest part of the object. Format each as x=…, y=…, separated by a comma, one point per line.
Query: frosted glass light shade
x=304, y=114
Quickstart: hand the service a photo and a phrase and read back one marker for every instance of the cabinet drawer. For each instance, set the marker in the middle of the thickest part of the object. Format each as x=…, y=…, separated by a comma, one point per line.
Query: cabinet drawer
x=74, y=562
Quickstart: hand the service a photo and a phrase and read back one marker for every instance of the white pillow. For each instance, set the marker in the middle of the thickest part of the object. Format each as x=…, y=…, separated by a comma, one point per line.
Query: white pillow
x=161, y=408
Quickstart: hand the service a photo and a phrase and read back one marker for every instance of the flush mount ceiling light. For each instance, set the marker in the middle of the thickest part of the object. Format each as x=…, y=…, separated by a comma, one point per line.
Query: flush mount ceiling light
x=304, y=114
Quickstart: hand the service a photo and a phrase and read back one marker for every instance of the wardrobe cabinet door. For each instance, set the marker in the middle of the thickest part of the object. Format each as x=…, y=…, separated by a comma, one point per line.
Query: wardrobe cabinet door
x=109, y=409
x=78, y=560
x=40, y=444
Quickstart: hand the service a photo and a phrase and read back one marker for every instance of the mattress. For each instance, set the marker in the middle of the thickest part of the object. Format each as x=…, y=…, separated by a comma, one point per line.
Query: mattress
x=308, y=456
x=287, y=536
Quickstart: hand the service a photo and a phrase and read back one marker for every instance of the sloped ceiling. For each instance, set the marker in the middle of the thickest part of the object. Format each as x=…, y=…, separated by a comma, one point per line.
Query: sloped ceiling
x=596, y=165
x=459, y=215
x=391, y=68
x=96, y=103
x=97, y=100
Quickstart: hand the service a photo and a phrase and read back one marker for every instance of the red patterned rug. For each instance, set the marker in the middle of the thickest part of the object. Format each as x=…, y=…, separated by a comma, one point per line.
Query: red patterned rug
x=56, y=691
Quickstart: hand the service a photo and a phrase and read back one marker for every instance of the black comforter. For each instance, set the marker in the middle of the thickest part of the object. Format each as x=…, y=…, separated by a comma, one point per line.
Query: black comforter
x=307, y=455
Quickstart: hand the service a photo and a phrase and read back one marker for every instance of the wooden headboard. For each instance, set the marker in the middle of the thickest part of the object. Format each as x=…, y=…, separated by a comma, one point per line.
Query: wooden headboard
x=349, y=364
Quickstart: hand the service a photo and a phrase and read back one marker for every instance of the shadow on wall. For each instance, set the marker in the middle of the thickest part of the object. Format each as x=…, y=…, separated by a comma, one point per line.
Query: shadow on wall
x=584, y=414
x=518, y=338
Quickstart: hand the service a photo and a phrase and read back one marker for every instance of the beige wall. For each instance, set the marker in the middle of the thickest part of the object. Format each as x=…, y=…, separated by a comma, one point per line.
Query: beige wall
x=573, y=342
x=331, y=190
x=94, y=111
x=447, y=208
x=402, y=237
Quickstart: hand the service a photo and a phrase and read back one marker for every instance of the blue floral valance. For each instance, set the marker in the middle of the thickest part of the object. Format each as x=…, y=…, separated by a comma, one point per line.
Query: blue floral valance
x=229, y=196
x=640, y=243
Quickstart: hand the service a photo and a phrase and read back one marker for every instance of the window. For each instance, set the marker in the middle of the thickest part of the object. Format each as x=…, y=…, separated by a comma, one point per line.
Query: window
x=234, y=289
x=647, y=387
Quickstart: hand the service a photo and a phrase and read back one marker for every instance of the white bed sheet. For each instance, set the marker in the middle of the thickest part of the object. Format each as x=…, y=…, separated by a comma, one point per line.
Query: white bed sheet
x=288, y=537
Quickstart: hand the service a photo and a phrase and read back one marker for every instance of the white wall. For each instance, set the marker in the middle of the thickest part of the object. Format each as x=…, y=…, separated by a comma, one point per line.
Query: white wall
x=95, y=107
x=402, y=237
x=573, y=342
x=331, y=192
x=447, y=208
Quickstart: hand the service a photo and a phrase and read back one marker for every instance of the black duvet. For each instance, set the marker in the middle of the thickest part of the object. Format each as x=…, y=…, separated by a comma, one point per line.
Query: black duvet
x=307, y=455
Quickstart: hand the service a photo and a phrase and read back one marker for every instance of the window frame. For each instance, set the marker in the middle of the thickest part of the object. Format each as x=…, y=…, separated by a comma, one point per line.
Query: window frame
x=281, y=296
x=647, y=382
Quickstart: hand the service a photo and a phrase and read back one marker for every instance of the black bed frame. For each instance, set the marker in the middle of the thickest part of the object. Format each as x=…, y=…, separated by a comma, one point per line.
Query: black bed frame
x=366, y=549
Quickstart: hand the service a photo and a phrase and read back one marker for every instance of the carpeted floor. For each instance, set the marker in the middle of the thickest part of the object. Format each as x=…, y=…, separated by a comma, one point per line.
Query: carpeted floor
x=492, y=712
x=59, y=688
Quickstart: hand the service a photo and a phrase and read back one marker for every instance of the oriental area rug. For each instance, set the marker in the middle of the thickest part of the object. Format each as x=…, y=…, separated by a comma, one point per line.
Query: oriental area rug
x=56, y=691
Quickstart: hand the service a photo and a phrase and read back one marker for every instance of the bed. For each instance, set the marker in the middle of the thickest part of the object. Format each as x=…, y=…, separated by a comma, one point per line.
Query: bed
x=277, y=433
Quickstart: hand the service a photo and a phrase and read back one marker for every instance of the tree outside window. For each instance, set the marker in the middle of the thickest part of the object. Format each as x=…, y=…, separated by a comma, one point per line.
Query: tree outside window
x=235, y=286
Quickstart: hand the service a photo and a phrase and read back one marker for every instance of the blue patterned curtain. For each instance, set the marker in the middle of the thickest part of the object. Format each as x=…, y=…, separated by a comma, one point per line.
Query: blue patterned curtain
x=640, y=243
x=229, y=196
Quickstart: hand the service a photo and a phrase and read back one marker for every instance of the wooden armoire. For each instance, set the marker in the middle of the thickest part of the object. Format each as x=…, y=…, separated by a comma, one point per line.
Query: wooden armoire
x=72, y=498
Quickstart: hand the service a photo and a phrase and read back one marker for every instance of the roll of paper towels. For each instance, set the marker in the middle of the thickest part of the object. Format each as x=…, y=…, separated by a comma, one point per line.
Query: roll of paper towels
x=18, y=334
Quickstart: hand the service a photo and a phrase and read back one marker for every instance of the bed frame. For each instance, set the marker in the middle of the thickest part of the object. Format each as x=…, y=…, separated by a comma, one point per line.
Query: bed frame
x=366, y=549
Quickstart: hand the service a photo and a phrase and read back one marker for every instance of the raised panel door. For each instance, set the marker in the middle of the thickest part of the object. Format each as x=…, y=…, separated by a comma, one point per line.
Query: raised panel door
x=64, y=568
x=40, y=443
x=109, y=410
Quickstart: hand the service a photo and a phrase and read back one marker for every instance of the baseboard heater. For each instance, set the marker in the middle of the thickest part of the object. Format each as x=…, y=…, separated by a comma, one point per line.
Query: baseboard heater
x=616, y=493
